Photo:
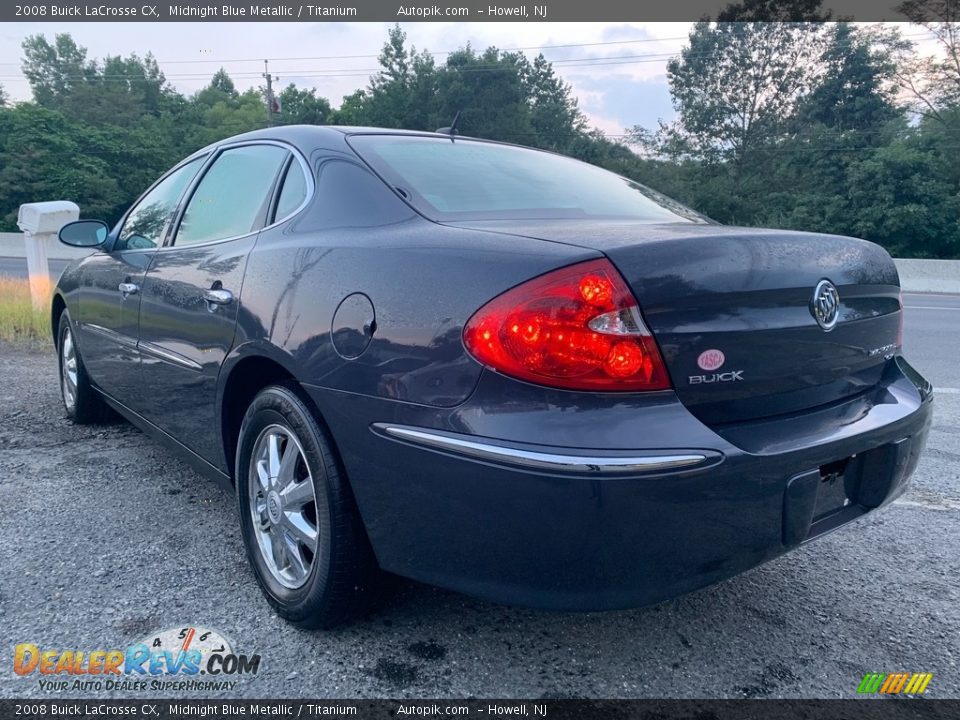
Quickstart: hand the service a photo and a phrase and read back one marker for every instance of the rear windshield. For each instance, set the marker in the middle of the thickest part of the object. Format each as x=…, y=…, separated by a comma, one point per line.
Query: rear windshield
x=467, y=180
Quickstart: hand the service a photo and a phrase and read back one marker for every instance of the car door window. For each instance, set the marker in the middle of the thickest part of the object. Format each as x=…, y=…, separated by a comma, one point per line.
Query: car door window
x=292, y=192
x=233, y=196
x=147, y=222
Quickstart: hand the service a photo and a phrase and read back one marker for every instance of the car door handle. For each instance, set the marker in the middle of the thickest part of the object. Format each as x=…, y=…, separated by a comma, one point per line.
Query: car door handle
x=128, y=288
x=218, y=297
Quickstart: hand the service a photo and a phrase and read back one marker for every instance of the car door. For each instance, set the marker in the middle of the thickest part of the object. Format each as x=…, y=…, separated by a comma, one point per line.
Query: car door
x=191, y=292
x=109, y=295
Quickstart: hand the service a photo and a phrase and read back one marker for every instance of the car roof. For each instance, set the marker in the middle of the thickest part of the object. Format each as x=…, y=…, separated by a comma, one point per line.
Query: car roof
x=310, y=137
x=355, y=129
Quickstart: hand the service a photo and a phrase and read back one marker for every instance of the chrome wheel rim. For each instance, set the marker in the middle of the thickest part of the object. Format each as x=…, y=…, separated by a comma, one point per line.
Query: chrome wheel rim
x=68, y=370
x=283, y=506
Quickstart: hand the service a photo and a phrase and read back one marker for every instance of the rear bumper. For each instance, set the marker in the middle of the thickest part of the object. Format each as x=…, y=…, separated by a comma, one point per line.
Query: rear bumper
x=598, y=503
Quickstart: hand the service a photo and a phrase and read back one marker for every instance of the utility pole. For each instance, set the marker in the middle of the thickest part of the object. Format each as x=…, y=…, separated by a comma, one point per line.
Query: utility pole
x=269, y=77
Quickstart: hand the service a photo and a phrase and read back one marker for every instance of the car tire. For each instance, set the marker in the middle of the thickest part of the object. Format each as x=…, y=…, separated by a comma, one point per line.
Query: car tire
x=83, y=405
x=287, y=501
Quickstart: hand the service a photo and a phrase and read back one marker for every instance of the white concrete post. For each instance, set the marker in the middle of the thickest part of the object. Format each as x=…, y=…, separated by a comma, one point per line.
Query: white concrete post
x=40, y=222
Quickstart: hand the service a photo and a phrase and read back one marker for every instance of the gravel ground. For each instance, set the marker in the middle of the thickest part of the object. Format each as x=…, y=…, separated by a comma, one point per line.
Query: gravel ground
x=107, y=538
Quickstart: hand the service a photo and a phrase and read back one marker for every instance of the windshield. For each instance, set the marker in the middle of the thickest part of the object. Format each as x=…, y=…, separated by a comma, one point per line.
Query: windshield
x=466, y=180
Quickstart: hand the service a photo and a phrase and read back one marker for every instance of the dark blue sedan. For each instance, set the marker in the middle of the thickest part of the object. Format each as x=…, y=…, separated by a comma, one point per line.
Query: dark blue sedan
x=489, y=368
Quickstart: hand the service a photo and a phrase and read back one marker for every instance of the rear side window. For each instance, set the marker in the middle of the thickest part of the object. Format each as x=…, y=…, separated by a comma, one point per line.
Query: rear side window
x=349, y=196
x=293, y=191
x=463, y=179
x=233, y=196
x=146, y=224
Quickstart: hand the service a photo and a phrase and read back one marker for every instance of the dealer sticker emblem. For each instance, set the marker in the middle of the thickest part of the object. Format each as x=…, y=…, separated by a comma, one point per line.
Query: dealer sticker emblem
x=825, y=305
x=711, y=359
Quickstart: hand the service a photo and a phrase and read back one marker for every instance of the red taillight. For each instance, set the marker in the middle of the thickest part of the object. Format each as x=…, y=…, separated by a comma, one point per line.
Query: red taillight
x=577, y=328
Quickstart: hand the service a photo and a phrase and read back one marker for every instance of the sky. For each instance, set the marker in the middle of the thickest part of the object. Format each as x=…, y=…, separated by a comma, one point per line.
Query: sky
x=626, y=85
x=617, y=70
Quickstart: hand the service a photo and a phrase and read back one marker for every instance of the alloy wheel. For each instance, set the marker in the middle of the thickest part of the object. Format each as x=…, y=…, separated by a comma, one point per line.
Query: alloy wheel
x=283, y=505
x=68, y=370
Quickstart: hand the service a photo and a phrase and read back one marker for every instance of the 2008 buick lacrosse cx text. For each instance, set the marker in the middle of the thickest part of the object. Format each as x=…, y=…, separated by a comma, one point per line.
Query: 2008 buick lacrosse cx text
x=87, y=11
x=489, y=368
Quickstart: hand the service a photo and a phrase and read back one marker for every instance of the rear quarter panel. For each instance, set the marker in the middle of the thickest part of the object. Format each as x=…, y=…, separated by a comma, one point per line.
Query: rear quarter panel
x=423, y=280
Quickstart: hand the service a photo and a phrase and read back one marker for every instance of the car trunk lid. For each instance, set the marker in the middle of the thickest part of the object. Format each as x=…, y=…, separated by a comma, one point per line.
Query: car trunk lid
x=733, y=309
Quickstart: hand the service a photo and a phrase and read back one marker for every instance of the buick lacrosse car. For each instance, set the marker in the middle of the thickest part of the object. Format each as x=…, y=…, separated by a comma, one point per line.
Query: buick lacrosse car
x=489, y=368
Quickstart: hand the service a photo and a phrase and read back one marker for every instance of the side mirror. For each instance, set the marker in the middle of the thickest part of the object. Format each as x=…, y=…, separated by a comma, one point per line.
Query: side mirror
x=84, y=233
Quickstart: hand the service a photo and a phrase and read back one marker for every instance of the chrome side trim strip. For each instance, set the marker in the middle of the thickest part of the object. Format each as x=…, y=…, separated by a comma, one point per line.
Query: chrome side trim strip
x=540, y=460
x=170, y=356
x=111, y=335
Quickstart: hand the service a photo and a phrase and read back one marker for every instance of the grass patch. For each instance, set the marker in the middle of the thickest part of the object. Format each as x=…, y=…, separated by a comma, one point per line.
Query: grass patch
x=19, y=321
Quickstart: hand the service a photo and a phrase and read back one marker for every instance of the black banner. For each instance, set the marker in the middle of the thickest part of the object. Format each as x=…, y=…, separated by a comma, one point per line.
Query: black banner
x=409, y=10
x=902, y=709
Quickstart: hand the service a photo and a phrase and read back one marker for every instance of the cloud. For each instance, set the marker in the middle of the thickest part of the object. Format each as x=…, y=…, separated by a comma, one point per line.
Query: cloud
x=622, y=100
x=338, y=58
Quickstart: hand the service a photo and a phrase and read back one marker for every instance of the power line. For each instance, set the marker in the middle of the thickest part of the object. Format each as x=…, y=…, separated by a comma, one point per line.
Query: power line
x=352, y=72
x=927, y=34
x=436, y=53
x=360, y=72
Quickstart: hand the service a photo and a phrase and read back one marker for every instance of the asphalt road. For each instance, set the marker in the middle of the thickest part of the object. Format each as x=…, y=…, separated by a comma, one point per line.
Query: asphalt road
x=17, y=267
x=107, y=538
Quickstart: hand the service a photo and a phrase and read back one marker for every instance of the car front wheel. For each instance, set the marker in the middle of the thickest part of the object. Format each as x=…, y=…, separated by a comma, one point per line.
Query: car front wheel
x=302, y=532
x=82, y=403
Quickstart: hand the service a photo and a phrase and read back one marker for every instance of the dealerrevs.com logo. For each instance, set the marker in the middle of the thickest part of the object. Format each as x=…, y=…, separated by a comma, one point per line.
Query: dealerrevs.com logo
x=184, y=658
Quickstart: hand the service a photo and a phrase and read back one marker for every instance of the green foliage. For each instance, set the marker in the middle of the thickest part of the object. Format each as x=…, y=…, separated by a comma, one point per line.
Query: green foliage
x=780, y=122
x=933, y=82
x=735, y=85
x=100, y=132
x=303, y=107
x=557, y=121
x=488, y=90
x=499, y=95
x=34, y=142
x=775, y=11
x=819, y=144
x=54, y=70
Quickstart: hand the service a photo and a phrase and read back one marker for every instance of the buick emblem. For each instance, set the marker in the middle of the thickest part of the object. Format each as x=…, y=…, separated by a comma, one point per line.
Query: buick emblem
x=825, y=305
x=273, y=507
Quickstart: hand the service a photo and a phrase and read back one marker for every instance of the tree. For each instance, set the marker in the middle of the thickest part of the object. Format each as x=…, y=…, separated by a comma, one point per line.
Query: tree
x=220, y=89
x=489, y=92
x=934, y=84
x=232, y=116
x=499, y=95
x=303, y=107
x=780, y=122
x=854, y=165
x=735, y=86
x=222, y=82
x=816, y=180
x=119, y=90
x=402, y=94
x=3, y=97
x=854, y=90
x=906, y=195
x=353, y=109
x=54, y=70
x=46, y=156
x=557, y=121
x=775, y=11
x=838, y=156
x=735, y=83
